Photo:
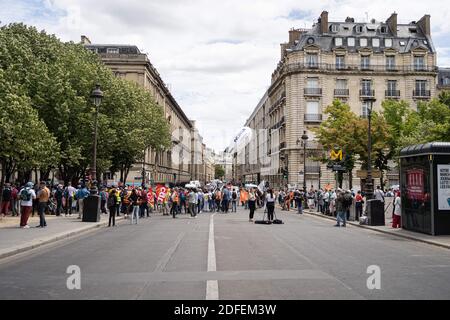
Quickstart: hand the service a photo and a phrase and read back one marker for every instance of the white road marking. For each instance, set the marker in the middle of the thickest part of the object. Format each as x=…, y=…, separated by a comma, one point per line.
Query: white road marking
x=212, y=286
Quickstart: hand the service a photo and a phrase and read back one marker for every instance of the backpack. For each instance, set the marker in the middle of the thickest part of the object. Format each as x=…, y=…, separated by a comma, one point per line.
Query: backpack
x=25, y=195
x=112, y=200
x=348, y=200
x=234, y=195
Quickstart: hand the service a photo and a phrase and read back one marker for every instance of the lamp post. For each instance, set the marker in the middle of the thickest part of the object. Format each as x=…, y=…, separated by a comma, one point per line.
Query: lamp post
x=304, y=138
x=369, y=183
x=96, y=96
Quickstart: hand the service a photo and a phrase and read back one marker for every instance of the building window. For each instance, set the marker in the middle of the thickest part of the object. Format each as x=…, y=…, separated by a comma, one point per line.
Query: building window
x=363, y=42
x=366, y=88
x=112, y=50
x=365, y=109
x=446, y=81
x=312, y=107
x=392, y=89
x=334, y=28
x=340, y=62
x=359, y=29
x=365, y=62
x=338, y=42
x=375, y=43
x=390, y=63
x=383, y=29
x=312, y=83
x=388, y=43
x=421, y=88
x=341, y=88
x=351, y=42
x=312, y=60
x=419, y=63
x=94, y=50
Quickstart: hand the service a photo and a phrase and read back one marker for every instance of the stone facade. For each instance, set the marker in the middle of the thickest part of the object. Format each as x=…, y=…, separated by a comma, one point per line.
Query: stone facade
x=159, y=167
x=354, y=62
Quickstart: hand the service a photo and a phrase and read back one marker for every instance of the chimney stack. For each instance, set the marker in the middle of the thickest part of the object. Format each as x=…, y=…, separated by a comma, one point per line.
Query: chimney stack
x=324, y=22
x=294, y=34
x=425, y=25
x=283, y=46
x=392, y=23
x=85, y=40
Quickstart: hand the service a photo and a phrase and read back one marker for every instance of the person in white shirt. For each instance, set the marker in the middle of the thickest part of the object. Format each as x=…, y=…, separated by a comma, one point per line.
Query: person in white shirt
x=379, y=194
x=397, y=218
x=26, y=196
x=270, y=204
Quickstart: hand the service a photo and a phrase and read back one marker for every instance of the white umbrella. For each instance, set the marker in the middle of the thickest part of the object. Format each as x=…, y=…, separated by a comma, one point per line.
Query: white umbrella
x=251, y=185
x=190, y=185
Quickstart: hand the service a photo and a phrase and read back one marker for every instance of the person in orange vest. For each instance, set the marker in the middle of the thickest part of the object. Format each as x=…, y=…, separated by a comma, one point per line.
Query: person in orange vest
x=175, y=201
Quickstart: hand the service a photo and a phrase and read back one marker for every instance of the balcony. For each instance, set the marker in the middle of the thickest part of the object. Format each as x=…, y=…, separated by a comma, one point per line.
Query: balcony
x=422, y=94
x=310, y=117
x=393, y=94
x=366, y=93
x=313, y=91
x=341, y=92
x=295, y=67
x=282, y=145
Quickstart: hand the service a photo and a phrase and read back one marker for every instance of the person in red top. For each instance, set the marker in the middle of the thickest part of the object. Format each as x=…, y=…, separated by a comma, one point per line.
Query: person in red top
x=358, y=205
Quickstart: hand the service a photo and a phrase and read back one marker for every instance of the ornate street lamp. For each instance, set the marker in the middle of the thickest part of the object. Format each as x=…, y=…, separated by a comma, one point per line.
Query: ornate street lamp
x=369, y=183
x=96, y=96
x=304, y=138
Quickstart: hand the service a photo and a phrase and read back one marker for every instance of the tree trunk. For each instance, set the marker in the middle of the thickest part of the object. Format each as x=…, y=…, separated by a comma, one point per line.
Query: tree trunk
x=382, y=180
x=2, y=179
x=350, y=179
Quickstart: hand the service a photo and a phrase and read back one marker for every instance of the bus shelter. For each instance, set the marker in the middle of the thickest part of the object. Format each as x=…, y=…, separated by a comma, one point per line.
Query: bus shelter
x=425, y=188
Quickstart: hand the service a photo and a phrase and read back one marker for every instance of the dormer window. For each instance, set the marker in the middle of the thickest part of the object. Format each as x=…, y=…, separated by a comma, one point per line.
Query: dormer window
x=383, y=29
x=334, y=28
x=112, y=50
x=363, y=42
x=351, y=42
x=338, y=42
x=359, y=29
x=376, y=43
x=388, y=43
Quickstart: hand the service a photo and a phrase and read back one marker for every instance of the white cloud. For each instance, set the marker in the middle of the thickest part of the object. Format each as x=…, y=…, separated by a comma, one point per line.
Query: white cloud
x=217, y=56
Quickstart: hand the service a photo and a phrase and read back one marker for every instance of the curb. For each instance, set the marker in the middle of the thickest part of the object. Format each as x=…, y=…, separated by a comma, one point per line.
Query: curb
x=52, y=239
x=409, y=237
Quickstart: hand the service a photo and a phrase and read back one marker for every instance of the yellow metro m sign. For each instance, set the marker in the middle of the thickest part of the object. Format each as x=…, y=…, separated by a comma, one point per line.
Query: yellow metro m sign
x=336, y=155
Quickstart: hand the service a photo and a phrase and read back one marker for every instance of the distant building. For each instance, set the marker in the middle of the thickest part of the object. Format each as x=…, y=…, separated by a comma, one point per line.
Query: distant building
x=126, y=61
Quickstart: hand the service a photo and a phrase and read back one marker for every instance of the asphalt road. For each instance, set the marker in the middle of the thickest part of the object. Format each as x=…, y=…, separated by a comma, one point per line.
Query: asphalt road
x=225, y=256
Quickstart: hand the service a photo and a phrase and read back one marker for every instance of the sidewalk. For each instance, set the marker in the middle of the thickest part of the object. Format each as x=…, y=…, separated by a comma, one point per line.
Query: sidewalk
x=14, y=240
x=441, y=241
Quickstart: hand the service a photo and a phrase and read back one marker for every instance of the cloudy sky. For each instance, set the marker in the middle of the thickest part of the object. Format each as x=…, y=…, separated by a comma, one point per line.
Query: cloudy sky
x=216, y=56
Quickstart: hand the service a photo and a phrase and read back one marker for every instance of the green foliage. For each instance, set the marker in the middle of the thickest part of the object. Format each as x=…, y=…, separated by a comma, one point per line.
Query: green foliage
x=219, y=171
x=55, y=80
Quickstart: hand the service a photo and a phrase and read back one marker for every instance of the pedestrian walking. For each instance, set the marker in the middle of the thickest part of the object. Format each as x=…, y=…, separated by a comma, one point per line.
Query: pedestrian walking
x=6, y=199
x=69, y=194
x=135, y=201
x=270, y=204
x=80, y=195
x=112, y=207
x=251, y=203
x=234, y=198
x=26, y=196
x=359, y=201
x=192, y=202
x=397, y=218
x=43, y=197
